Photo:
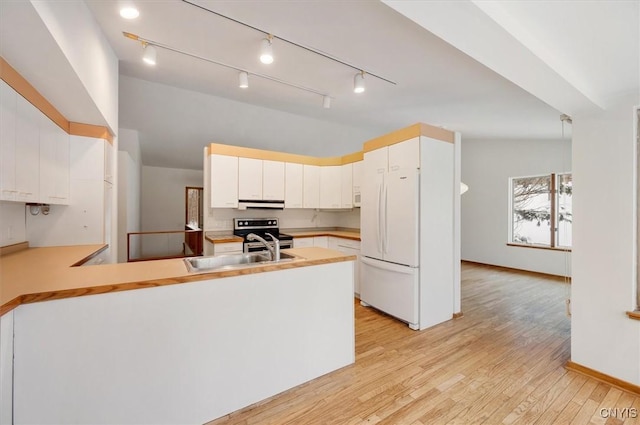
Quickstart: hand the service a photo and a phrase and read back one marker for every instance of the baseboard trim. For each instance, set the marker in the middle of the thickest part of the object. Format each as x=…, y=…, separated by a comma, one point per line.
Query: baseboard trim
x=511, y=269
x=458, y=315
x=603, y=377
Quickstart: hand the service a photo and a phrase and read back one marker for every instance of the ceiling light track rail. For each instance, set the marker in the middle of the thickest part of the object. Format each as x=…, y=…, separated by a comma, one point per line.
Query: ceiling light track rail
x=148, y=42
x=310, y=49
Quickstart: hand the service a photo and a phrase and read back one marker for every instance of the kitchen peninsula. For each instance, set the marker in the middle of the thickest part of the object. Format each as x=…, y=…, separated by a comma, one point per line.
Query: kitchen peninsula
x=180, y=348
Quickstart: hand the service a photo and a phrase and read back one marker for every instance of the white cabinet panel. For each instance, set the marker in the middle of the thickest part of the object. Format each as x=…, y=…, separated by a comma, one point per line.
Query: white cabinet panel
x=8, y=98
x=321, y=241
x=249, y=179
x=227, y=248
x=302, y=242
x=27, y=152
x=330, y=187
x=224, y=181
x=87, y=158
x=357, y=183
x=108, y=162
x=405, y=154
x=293, y=185
x=347, y=186
x=273, y=180
x=311, y=186
x=54, y=163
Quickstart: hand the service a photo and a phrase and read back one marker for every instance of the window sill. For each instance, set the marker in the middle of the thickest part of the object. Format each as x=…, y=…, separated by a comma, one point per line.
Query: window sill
x=550, y=248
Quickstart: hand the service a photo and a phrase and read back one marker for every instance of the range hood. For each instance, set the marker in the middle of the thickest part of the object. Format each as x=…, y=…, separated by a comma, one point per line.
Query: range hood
x=252, y=204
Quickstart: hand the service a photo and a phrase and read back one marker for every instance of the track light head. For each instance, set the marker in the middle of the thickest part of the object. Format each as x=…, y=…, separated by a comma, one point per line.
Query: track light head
x=326, y=102
x=266, y=50
x=243, y=80
x=358, y=82
x=150, y=54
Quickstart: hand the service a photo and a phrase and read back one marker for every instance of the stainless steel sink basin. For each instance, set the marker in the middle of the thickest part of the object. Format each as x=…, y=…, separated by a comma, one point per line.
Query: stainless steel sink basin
x=232, y=261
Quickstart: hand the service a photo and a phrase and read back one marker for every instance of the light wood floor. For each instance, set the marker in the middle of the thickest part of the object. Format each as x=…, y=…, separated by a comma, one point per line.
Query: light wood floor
x=502, y=363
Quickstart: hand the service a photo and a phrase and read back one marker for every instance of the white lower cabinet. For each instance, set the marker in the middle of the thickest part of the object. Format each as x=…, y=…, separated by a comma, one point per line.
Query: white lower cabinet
x=321, y=241
x=349, y=247
x=302, y=242
x=227, y=248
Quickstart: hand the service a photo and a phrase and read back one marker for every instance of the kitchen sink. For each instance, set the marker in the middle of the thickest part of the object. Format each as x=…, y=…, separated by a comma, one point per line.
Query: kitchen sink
x=232, y=261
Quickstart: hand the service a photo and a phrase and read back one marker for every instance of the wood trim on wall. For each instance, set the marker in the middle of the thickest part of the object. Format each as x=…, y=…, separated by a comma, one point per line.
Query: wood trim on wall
x=26, y=90
x=89, y=130
x=603, y=377
x=407, y=133
x=352, y=157
x=241, y=151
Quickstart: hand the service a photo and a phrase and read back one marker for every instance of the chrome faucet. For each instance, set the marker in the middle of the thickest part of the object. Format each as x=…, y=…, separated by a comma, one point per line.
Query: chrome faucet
x=274, y=250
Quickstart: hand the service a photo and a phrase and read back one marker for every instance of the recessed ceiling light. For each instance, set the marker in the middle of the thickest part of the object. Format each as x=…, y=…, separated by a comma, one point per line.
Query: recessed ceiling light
x=129, y=12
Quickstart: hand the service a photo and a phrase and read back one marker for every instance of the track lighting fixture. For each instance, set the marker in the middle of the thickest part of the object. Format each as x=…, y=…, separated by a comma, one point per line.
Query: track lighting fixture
x=243, y=80
x=243, y=74
x=150, y=53
x=266, y=50
x=358, y=82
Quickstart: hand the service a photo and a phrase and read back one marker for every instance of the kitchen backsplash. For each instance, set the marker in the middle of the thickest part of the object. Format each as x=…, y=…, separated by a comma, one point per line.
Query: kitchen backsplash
x=222, y=219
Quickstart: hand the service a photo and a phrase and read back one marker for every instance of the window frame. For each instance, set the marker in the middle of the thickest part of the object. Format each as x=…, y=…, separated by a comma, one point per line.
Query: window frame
x=553, y=219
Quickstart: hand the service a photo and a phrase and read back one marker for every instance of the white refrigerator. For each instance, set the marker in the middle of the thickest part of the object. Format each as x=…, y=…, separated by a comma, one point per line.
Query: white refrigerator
x=390, y=262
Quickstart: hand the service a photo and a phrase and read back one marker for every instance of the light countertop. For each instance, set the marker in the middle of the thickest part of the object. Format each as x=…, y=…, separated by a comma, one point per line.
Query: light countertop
x=41, y=274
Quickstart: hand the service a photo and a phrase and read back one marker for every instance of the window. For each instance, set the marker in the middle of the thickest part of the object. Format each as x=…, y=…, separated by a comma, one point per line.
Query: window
x=540, y=210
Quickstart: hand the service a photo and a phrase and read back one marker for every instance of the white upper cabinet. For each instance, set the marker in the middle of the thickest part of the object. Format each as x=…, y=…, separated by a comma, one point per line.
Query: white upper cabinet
x=224, y=181
x=108, y=162
x=405, y=154
x=27, y=151
x=347, y=186
x=8, y=99
x=330, y=186
x=311, y=186
x=357, y=183
x=273, y=180
x=54, y=163
x=293, y=185
x=249, y=179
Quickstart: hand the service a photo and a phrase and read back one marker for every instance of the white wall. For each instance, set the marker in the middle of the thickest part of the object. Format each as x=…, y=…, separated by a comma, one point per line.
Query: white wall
x=162, y=198
x=181, y=122
x=487, y=166
x=92, y=59
x=129, y=178
x=128, y=204
x=12, y=222
x=604, y=242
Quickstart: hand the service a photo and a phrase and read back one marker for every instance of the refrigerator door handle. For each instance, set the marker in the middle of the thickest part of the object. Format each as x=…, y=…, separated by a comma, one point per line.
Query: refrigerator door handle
x=383, y=265
x=386, y=221
x=378, y=220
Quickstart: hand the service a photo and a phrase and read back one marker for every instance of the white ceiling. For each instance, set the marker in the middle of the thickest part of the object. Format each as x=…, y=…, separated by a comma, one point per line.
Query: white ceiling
x=487, y=69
